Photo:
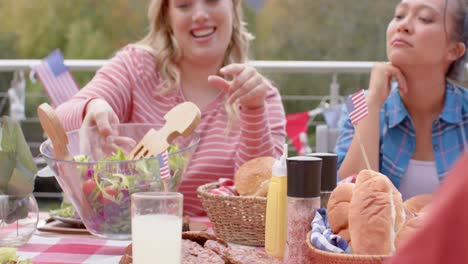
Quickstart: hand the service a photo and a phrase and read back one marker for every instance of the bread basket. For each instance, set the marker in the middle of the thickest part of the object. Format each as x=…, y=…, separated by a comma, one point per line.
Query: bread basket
x=324, y=257
x=237, y=219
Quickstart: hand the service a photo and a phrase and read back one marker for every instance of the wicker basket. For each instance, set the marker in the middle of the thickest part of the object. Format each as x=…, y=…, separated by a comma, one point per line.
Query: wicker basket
x=237, y=219
x=324, y=257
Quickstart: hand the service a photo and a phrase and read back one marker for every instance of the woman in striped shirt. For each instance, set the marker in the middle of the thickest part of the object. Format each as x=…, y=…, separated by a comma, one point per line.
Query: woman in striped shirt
x=195, y=51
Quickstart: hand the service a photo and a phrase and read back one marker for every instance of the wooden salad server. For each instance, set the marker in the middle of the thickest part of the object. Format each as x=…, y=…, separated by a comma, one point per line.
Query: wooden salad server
x=180, y=120
x=54, y=130
x=68, y=174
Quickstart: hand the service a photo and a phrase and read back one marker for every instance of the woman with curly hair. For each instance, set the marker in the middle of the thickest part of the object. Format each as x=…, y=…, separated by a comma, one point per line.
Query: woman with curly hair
x=196, y=50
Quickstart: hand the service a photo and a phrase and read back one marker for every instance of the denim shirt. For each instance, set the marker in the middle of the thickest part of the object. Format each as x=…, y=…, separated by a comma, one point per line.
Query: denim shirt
x=397, y=137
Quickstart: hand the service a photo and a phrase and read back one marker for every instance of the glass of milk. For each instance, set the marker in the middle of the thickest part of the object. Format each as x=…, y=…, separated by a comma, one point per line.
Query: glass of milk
x=157, y=227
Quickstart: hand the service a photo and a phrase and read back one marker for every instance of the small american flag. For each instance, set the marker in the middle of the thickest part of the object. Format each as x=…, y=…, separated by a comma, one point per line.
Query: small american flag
x=164, y=170
x=56, y=78
x=357, y=106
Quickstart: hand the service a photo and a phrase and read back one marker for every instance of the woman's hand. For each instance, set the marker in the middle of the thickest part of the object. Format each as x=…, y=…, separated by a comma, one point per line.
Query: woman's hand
x=100, y=114
x=380, y=83
x=247, y=87
x=97, y=137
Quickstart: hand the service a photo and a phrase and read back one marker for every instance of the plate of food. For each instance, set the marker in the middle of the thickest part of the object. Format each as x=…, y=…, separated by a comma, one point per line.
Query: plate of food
x=66, y=220
x=66, y=214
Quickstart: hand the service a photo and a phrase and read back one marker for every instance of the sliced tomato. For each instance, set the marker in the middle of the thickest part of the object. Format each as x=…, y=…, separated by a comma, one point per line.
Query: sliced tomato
x=110, y=191
x=89, y=186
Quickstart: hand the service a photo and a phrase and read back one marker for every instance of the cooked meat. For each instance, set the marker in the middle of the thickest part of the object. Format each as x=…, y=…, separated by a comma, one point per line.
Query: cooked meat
x=205, y=248
x=217, y=247
x=128, y=250
x=202, y=237
x=126, y=259
x=192, y=252
x=242, y=255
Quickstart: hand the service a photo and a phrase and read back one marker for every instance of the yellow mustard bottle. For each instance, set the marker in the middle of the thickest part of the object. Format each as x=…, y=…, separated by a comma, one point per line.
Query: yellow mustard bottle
x=276, y=218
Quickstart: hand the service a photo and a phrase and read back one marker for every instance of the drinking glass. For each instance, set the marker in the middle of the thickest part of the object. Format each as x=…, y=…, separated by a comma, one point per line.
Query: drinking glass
x=19, y=216
x=157, y=227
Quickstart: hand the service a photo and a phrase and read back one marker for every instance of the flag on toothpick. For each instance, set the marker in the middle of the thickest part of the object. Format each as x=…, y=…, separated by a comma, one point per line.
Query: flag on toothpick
x=164, y=170
x=357, y=110
x=56, y=78
x=357, y=106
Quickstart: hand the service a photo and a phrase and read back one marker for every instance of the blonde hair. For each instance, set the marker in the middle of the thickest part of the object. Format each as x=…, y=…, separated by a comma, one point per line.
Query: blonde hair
x=161, y=42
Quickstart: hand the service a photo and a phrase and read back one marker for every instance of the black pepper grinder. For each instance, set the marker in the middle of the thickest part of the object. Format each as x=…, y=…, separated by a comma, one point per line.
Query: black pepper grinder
x=303, y=191
x=329, y=175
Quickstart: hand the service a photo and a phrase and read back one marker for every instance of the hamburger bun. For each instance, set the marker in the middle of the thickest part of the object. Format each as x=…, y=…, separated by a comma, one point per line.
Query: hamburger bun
x=262, y=190
x=250, y=176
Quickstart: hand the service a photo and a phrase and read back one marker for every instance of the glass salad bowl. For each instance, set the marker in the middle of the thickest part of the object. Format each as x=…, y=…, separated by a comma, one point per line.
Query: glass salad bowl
x=98, y=180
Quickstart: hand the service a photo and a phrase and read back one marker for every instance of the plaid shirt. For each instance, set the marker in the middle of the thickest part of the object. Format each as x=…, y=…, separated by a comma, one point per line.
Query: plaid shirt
x=397, y=137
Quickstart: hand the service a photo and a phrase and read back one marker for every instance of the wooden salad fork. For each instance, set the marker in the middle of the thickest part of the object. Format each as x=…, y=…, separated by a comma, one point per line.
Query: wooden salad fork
x=180, y=120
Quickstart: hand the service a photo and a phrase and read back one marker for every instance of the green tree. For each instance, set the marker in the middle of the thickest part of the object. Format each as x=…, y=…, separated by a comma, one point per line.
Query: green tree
x=7, y=52
x=85, y=29
x=321, y=30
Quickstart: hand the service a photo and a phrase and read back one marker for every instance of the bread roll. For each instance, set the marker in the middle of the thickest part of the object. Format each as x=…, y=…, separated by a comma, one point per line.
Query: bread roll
x=344, y=233
x=408, y=214
x=262, y=190
x=418, y=202
x=425, y=209
x=338, y=209
x=252, y=174
x=408, y=229
x=376, y=213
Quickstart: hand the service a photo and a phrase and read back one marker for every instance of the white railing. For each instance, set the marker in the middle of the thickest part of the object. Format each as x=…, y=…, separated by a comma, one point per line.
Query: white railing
x=308, y=67
x=265, y=66
x=312, y=67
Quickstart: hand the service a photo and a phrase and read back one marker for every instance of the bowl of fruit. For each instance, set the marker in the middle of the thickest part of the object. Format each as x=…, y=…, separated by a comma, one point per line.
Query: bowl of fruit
x=98, y=177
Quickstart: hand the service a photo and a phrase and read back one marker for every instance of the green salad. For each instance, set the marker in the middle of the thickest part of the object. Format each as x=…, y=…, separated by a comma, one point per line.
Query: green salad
x=8, y=256
x=66, y=210
x=107, y=187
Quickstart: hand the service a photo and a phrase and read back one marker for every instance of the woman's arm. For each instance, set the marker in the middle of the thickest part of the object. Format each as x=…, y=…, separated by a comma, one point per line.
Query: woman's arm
x=262, y=118
x=112, y=83
x=348, y=150
x=368, y=129
x=262, y=129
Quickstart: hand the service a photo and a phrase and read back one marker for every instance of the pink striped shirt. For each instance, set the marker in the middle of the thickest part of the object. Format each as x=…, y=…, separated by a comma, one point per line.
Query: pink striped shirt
x=130, y=82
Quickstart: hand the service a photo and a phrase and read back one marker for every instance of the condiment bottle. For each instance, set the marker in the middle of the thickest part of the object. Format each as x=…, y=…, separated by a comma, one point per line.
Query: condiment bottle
x=304, y=176
x=329, y=177
x=275, y=222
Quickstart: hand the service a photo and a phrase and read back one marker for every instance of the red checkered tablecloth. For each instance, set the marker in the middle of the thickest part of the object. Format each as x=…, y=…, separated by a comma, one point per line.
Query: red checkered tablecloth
x=49, y=247
x=72, y=249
